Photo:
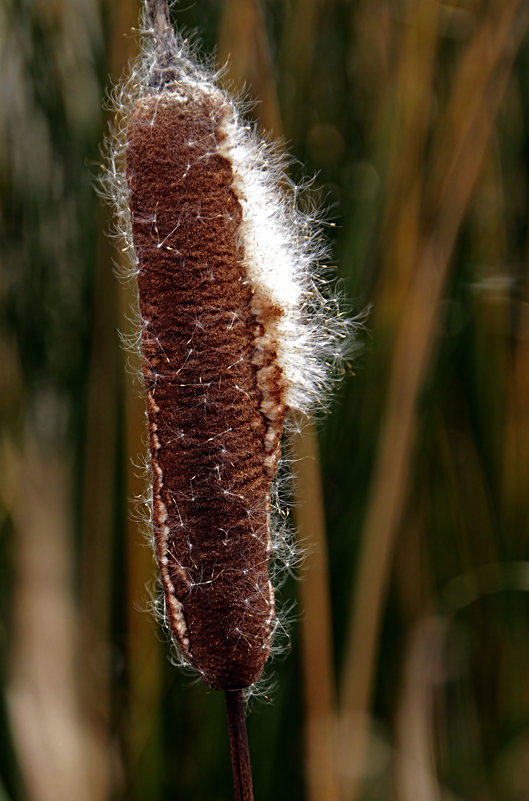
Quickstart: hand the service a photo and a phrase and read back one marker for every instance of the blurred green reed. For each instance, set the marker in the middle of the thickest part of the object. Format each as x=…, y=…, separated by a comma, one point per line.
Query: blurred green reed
x=405, y=675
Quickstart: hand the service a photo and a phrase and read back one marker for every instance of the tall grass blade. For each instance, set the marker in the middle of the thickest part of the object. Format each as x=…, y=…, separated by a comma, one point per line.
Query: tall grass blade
x=494, y=45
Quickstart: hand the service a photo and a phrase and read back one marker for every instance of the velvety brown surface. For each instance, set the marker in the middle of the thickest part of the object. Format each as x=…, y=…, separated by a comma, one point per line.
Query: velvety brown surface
x=207, y=435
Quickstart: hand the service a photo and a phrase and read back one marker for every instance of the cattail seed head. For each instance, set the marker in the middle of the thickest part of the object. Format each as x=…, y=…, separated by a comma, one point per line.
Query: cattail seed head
x=234, y=332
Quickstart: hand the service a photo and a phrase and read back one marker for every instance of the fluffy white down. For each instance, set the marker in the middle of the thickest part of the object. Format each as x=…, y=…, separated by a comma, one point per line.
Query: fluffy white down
x=284, y=251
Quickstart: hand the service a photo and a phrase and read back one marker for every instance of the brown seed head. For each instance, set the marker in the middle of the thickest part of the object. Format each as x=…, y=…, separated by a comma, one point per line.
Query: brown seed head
x=211, y=459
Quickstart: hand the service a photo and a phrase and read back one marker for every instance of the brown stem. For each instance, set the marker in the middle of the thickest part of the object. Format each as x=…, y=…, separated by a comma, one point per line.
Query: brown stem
x=159, y=15
x=240, y=754
x=166, y=71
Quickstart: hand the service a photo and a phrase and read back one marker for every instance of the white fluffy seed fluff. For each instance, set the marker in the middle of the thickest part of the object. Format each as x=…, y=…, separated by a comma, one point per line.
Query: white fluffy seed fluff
x=284, y=250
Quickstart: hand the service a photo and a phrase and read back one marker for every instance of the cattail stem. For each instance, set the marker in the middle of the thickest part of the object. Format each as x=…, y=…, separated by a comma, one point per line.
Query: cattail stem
x=159, y=15
x=240, y=754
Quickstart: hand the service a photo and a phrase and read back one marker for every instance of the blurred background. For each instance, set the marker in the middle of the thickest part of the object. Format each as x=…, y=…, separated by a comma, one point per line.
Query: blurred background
x=407, y=669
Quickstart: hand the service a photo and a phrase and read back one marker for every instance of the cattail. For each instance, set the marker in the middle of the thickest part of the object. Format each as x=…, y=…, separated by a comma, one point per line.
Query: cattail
x=236, y=328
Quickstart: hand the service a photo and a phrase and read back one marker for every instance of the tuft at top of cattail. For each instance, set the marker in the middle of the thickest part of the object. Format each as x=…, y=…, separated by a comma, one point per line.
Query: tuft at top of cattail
x=237, y=327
